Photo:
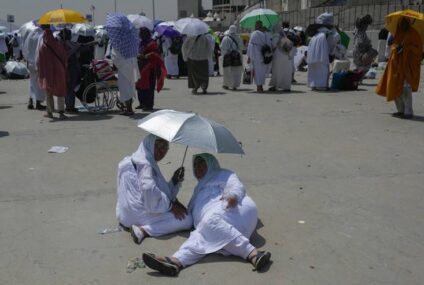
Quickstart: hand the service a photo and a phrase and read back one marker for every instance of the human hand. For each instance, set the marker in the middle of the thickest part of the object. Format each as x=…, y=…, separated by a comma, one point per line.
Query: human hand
x=178, y=175
x=231, y=202
x=179, y=210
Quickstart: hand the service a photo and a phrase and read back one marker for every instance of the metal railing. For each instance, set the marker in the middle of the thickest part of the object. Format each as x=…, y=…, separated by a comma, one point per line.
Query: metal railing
x=345, y=16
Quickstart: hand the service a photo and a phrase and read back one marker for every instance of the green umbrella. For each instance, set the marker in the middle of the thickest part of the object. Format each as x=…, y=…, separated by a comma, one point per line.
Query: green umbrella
x=344, y=38
x=268, y=18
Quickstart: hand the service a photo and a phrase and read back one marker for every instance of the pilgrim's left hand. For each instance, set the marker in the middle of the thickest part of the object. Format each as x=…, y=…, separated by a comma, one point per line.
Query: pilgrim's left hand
x=178, y=175
x=232, y=202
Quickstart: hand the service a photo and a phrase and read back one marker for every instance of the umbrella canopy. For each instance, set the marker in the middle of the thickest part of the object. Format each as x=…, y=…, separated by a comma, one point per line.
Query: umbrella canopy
x=61, y=16
x=191, y=130
x=268, y=18
x=100, y=34
x=166, y=31
x=3, y=29
x=84, y=30
x=167, y=24
x=191, y=27
x=122, y=34
x=141, y=22
x=415, y=18
x=17, y=68
x=157, y=22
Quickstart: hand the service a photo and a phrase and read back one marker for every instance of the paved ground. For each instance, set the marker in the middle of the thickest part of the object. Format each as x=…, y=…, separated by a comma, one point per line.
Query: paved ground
x=337, y=161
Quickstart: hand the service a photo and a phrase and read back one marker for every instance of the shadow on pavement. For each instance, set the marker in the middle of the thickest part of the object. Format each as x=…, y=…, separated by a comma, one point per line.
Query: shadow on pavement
x=5, y=107
x=86, y=117
x=4, y=134
x=282, y=92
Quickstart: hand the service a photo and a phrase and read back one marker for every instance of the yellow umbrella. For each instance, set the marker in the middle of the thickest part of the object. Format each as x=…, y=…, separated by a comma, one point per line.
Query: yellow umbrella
x=61, y=16
x=415, y=18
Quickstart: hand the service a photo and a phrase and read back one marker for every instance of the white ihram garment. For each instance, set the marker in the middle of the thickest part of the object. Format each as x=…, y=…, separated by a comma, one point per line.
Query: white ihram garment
x=254, y=51
x=128, y=75
x=218, y=229
x=144, y=197
x=318, y=60
x=211, y=63
x=232, y=74
x=171, y=60
x=282, y=68
x=30, y=50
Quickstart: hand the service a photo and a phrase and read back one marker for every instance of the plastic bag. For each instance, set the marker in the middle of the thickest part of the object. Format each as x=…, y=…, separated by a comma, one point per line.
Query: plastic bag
x=247, y=75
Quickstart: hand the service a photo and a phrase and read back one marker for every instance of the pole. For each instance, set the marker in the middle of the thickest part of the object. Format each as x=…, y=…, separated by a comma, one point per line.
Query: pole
x=115, y=5
x=153, y=8
x=185, y=153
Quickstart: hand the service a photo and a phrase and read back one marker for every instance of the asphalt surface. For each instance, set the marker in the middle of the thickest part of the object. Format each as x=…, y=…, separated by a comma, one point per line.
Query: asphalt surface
x=338, y=183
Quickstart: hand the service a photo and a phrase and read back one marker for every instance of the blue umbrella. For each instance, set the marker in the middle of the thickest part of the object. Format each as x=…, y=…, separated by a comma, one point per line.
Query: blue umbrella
x=157, y=22
x=122, y=34
x=167, y=31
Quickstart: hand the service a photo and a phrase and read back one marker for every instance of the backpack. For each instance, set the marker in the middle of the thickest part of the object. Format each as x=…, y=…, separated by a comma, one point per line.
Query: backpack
x=266, y=53
x=175, y=47
x=233, y=58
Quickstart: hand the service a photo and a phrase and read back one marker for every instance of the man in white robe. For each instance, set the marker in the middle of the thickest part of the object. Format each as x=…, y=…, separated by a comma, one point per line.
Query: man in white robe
x=170, y=59
x=147, y=204
x=320, y=47
x=258, y=39
x=30, y=47
x=224, y=218
x=232, y=42
x=128, y=75
x=282, y=63
x=211, y=62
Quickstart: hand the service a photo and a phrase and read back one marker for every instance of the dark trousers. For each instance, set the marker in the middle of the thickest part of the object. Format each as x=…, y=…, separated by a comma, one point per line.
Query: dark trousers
x=146, y=97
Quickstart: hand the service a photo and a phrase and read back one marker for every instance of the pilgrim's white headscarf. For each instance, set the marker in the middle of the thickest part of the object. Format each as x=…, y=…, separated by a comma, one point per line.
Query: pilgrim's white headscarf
x=145, y=155
x=213, y=169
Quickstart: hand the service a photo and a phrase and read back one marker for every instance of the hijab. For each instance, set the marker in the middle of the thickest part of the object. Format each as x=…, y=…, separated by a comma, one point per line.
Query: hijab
x=213, y=169
x=145, y=155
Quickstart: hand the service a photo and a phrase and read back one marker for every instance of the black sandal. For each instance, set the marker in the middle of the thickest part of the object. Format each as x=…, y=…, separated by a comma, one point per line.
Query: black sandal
x=262, y=259
x=168, y=268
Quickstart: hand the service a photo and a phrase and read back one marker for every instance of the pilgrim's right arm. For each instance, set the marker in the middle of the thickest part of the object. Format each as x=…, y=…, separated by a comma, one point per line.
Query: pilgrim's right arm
x=155, y=200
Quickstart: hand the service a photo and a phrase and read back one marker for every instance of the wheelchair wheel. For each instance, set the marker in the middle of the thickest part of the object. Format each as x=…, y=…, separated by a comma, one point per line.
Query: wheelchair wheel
x=104, y=100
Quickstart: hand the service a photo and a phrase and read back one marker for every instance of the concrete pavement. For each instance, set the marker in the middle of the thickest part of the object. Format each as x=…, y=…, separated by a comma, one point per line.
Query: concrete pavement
x=338, y=183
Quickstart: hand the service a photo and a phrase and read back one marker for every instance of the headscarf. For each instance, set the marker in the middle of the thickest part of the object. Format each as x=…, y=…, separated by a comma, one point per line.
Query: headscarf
x=325, y=19
x=145, y=152
x=232, y=29
x=145, y=155
x=213, y=169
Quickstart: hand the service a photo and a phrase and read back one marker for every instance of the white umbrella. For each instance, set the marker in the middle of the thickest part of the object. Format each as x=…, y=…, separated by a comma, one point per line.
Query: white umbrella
x=3, y=29
x=191, y=27
x=16, y=68
x=192, y=130
x=84, y=30
x=141, y=22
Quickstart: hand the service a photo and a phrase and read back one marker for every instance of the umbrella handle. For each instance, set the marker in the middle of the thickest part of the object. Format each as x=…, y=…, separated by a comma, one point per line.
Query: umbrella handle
x=185, y=153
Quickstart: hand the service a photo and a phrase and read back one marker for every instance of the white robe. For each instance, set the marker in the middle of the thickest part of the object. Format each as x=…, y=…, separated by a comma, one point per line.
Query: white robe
x=254, y=51
x=141, y=201
x=282, y=68
x=232, y=74
x=318, y=60
x=128, y=75
x=30, y=48
x=211, y=62
x=216, y=226
x=171, y=60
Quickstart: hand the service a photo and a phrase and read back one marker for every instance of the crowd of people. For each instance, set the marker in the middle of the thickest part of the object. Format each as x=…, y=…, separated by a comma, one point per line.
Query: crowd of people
x=144, y=59
x=220, y=214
